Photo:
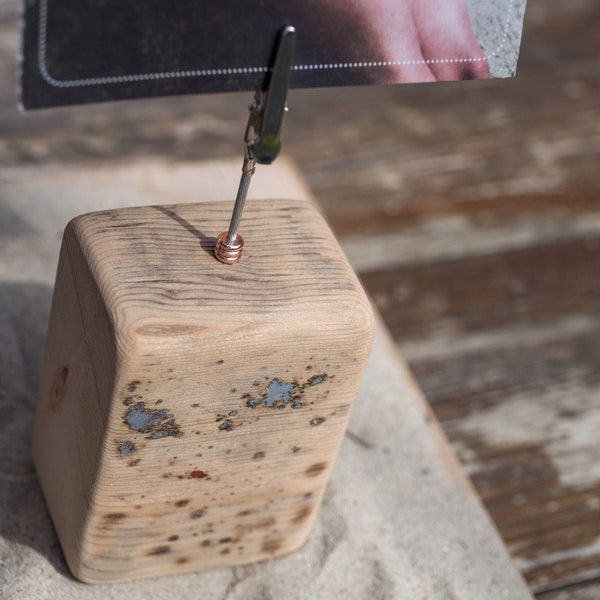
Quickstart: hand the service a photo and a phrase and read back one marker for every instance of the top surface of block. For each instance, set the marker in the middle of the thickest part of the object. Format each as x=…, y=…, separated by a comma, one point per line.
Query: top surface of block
x=156, y=271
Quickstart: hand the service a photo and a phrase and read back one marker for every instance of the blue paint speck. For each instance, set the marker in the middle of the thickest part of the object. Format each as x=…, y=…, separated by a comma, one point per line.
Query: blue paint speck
x=126, y=448
x=281, y=393
x=278, y=391
x=159, y=423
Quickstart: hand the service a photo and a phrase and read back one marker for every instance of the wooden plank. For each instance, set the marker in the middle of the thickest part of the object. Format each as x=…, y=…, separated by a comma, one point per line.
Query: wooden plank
x=583, y=591
x=525, y=287
x=507, y=352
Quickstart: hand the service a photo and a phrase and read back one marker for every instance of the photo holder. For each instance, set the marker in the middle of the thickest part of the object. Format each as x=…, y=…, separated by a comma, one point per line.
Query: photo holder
x=189, y=412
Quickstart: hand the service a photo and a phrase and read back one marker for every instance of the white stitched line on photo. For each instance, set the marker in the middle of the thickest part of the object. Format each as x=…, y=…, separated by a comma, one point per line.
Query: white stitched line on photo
x=71, y=83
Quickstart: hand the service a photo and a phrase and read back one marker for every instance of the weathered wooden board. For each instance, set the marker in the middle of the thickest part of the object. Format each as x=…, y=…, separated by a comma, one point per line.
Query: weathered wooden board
x=576, y=591
x=506, y=348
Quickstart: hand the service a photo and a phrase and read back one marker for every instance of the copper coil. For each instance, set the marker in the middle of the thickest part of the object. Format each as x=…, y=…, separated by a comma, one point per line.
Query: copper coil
x=228, y=253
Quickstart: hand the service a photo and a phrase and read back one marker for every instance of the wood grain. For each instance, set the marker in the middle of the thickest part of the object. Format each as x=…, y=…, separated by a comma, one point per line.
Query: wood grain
x=583, y=591
x=494, y=180
x=190, y=412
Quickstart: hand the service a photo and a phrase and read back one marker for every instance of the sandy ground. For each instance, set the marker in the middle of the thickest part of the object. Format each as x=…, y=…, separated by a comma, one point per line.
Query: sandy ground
x=399, y=519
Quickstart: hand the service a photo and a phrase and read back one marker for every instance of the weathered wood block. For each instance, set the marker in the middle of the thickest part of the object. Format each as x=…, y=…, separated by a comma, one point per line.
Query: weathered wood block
x=190, y=412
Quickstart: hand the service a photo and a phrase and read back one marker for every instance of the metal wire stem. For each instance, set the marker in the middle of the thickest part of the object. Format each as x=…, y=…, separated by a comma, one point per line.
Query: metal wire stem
x=240, y=200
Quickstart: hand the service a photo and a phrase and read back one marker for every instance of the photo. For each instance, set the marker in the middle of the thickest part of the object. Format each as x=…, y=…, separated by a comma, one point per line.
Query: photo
x=78, y=51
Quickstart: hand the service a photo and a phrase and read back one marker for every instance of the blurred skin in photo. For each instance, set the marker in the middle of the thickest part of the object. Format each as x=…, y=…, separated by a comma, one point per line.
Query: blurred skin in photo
x=415, y=34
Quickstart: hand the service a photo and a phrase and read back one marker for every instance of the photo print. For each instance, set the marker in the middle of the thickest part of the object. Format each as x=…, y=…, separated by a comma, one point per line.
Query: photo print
x=79, y=51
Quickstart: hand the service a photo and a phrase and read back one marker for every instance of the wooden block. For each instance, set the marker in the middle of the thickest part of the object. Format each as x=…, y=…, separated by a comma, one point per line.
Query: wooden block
x=190, y=412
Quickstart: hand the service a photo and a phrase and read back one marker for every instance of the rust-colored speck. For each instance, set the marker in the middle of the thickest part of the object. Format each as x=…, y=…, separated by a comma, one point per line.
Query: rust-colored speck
x=60, y=388
x=132, y=386
x=271, y=546
x=316, y=469
x=159, y=550
x=114, y=517
x=302, y=515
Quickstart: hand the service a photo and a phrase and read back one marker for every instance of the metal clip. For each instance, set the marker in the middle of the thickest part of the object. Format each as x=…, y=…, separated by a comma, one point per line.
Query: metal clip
x=262, y=141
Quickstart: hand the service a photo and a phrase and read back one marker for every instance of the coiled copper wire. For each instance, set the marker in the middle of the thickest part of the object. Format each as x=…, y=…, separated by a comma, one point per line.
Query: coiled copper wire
x=228, y=253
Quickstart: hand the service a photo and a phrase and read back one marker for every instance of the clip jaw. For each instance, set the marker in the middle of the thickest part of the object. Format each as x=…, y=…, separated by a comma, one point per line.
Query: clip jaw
x=269, y=107
x=262, y=140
